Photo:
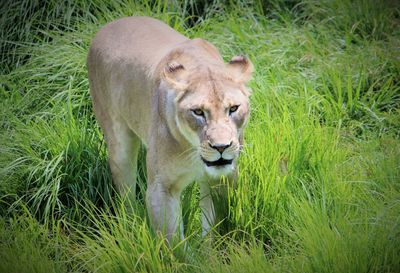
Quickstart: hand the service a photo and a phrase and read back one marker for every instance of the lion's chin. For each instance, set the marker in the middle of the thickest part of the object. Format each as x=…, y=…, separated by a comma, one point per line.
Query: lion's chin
x=217, y=171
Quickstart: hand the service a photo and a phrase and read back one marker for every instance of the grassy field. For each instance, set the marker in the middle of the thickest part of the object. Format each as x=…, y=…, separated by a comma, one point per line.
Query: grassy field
x=319, y=187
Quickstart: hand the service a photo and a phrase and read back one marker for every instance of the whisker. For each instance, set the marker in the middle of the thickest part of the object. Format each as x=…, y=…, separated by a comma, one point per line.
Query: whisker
x=192, y=157
x=190, y=150
x=245, y=145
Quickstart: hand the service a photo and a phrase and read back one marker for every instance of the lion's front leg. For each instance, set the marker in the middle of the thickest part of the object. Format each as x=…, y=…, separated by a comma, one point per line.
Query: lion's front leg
x=164, y=210
x=207, y=208
x=214, y=195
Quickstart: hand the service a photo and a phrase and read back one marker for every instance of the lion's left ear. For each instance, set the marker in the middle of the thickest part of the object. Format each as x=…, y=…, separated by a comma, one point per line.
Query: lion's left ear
x=240, y=68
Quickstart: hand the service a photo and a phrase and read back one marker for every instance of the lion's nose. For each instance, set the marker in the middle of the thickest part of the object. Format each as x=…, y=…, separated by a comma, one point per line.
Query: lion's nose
x=220, y=147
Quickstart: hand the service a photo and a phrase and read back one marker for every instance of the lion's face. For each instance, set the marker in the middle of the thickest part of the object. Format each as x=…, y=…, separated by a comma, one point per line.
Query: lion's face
x=212, y=118
x=211, y=112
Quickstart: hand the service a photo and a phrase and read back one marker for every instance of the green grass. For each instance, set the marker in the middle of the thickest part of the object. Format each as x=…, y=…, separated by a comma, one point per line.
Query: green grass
x=319, y=185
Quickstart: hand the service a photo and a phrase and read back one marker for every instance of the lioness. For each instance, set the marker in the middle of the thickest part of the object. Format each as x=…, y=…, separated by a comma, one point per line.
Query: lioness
x=150, y=84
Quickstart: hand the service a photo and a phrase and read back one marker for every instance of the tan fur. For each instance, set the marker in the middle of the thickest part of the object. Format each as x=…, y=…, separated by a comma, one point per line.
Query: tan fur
x=146, y=80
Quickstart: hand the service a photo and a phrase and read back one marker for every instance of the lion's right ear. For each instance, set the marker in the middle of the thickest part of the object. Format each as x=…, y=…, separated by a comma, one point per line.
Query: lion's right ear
x=175, y=75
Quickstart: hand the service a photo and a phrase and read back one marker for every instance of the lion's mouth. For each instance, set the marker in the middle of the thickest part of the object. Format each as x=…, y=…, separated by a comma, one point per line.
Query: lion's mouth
x=219, y=162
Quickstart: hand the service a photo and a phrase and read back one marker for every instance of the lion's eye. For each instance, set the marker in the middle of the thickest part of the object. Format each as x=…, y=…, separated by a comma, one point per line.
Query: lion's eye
x=198, y=112
x=233, y=109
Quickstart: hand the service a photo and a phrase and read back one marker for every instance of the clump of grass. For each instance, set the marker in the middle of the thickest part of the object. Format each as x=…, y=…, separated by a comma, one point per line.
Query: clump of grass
x=363, y=18
x=27, y=22
x=58, y=160
x=124, y=242
x=27, y=246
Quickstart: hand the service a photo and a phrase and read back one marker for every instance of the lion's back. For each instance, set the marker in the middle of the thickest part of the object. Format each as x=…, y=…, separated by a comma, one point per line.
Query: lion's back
x=141, y=40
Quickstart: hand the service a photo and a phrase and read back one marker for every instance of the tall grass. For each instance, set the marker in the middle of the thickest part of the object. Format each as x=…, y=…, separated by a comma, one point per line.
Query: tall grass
x=318, y=189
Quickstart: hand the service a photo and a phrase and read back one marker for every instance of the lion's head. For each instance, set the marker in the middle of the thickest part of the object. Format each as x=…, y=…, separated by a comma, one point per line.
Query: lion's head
x=211, y=107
